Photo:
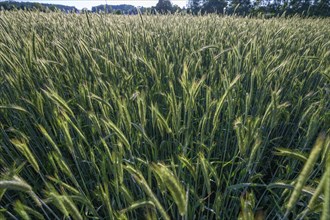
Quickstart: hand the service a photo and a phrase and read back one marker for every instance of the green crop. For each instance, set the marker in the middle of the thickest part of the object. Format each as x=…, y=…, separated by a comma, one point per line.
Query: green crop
x=163, y=117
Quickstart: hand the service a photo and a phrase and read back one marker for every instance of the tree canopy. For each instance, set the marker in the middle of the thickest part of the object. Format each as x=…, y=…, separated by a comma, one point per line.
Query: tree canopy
x=239, y=7
x=270, y=7
x=164, y=6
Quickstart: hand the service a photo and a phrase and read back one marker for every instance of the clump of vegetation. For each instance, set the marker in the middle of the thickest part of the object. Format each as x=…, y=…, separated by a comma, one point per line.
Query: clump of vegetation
x=172, y=117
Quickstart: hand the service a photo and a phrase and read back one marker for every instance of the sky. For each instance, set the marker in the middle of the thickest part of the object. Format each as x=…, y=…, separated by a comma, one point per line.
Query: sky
x=88, y=4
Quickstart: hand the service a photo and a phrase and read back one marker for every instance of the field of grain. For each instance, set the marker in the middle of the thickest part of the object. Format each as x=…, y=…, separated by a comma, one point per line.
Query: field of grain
x=164, y=117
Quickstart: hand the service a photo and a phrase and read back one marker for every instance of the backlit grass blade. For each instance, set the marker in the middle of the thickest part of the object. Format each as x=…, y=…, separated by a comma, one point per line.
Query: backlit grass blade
x=143, y=183
x=304, y=174
x=173, y=185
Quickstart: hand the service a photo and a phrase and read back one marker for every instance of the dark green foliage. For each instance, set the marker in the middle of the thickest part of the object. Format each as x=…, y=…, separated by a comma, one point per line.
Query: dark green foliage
x=11, y=5
x=214, y=6
x=164, y=6
x=124, y=9
x=306, y=8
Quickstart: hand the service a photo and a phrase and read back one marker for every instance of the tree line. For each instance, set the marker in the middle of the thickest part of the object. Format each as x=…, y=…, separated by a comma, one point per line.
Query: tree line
x=255, y=7
x=44, y=7
x=239, y=7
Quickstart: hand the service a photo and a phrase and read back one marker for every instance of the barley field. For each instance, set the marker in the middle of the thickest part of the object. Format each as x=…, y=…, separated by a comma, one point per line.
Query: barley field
x=164, y=117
